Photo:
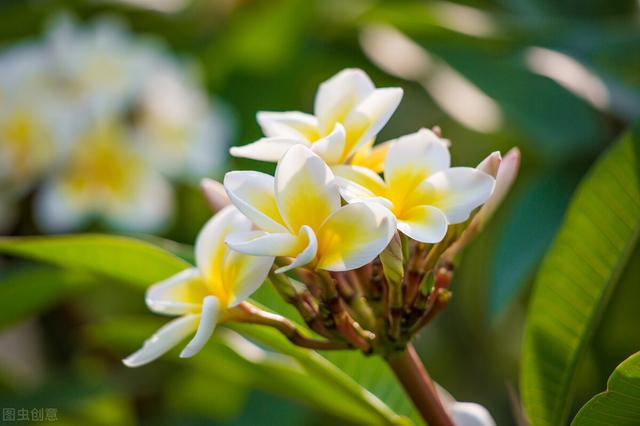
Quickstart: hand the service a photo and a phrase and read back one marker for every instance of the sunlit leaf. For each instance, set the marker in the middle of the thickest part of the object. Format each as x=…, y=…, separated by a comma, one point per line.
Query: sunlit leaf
x=121, y=258
x=577, y=278
x=141, y=263
x=619, y=403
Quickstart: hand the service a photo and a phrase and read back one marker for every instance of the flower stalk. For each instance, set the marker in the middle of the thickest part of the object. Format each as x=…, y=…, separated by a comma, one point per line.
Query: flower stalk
x=416, y=381
x=249, y=313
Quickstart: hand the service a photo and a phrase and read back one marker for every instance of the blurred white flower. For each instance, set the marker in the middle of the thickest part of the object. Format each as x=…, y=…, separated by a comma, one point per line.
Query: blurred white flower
x=177, y=128
x=98, y=68
x=107, y=117
x=104, y=179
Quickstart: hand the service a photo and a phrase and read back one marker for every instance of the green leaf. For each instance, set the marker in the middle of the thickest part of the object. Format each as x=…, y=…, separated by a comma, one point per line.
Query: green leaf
x=364, y=405
x=121, y=258
x=141, y=263
x=619, y=402
x=578, y=275
x=372, y=373
x=25, y=291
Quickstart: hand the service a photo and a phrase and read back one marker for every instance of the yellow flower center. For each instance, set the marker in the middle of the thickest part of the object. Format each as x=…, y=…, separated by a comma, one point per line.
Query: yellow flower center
x=102, y=166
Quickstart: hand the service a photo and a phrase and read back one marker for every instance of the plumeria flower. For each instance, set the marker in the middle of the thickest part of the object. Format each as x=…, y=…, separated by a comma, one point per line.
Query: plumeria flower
x=100, y=67
x=348, y=113
x=177, y=127
x=202, y=296
x=419, y=187
x=299, y=214
x=104, y=179
x=29, y=144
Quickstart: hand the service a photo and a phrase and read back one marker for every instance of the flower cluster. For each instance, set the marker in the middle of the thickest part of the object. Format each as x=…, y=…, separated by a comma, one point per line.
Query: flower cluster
x=365, y=259
x=97, y=123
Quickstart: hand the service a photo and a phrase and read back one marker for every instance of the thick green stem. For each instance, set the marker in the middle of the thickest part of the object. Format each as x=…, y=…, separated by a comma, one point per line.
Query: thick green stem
x=416, y=381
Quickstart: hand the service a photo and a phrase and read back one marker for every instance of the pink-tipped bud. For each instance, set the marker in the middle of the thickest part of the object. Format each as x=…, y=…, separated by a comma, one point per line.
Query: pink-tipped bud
x=505, y=176
x=215, y=194
x=491, y=164
x=507, y=170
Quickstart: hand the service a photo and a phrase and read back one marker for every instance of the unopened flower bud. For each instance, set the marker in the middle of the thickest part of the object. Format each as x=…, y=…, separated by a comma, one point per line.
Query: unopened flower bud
x=491, y=164
x=215, y=194
x=507, y=170
x=505, y=176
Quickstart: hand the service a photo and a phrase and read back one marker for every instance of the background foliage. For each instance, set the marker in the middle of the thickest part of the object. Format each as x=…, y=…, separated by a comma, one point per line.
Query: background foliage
x=271, y=55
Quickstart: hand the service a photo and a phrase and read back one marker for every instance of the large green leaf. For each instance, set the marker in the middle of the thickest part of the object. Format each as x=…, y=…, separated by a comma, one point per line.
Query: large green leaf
x=141, y=263
x=121, y=258
x=28, y=290
x=620, y=403
x=234, y=364
x=577, y=277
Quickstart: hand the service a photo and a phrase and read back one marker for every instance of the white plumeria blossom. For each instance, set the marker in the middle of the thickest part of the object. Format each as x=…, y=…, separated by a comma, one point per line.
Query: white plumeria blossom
x=348, y=113
x=98, y=68
x=177, y=127
x=202, y=295
x=424, y=193
x=100, y=87
x=103, y=179
x=299, y=214
x=30, y=141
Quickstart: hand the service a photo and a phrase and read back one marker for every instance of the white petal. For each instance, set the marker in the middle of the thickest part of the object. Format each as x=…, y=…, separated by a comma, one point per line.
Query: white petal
x=370, y=116
x=210, y=248
x=458, y=191
x=331, y=148
x=253, y=194
x=179, y=294
x=290, y=125
x=337, y=97
x=260, y=243
x=354, y=235
x=310, y=244
x=470, y=414
x=149, y=210
x=353, y=193
x=415, y=156
x=362, y=176
x=306, y=190
x=266, y=149
x=424, y=223
x=163, y=340
x=208, y=321
x=55, y=212
x=244, y=274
